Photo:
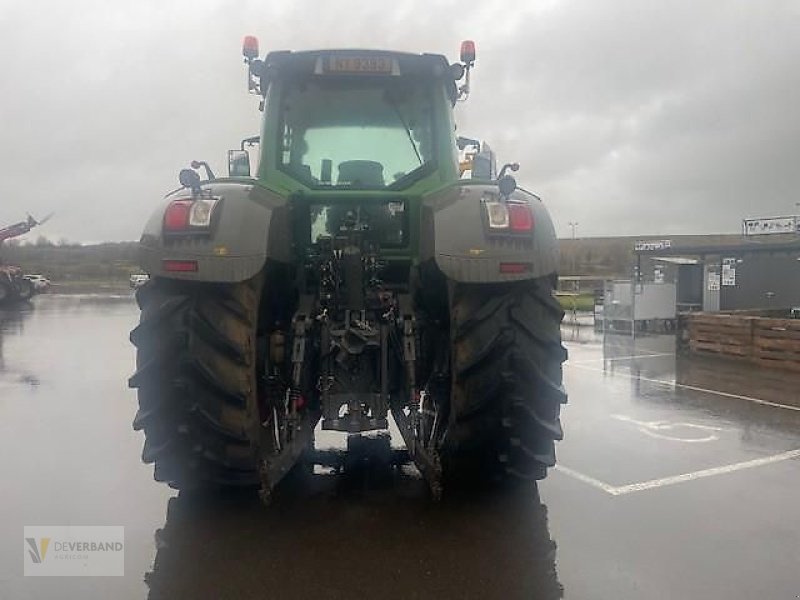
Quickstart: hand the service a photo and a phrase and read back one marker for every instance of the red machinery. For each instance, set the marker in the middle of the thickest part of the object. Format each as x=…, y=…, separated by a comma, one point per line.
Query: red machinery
x=13, y=284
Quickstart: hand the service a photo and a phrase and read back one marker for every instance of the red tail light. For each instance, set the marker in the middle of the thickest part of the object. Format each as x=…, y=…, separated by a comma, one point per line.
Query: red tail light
x=520, y=217
x=509, y=268
x=508, y=217
x=179, y=266
x=187, y=216
x=176, y=217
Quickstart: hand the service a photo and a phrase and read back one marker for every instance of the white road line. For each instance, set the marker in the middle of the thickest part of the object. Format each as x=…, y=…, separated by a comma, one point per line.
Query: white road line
x=665, y=481
x=675, y=384
x=606, y=487
x=632, y=357
x=749, y=464
x=671, y=438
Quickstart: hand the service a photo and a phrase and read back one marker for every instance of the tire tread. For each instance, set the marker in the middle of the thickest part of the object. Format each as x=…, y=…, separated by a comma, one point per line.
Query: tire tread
x=195, y=382
x=506, y=382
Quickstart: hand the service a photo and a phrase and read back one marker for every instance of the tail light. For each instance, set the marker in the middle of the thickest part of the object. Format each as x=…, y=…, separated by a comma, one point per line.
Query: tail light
x=520, y=217
x=508, y=217
x=176, y=217
x=497, y=213
x=513, y=268
x=189, y=216
x=179, y=266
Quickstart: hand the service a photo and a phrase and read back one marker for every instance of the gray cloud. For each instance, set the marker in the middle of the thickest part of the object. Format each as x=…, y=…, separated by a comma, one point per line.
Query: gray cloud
x=630, y=117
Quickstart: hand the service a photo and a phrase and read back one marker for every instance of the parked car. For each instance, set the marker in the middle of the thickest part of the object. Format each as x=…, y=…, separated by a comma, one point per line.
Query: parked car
x=138, y=280
x=40, y=283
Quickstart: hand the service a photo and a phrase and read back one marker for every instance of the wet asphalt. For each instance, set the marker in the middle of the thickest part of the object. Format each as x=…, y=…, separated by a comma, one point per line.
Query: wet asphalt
x=677, y=479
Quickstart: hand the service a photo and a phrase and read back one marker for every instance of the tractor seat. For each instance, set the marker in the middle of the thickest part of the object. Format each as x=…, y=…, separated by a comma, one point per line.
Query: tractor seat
x=361, y=172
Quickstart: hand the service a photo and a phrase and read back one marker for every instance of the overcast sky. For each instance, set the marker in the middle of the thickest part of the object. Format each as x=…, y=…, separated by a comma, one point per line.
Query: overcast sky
x=628, y=117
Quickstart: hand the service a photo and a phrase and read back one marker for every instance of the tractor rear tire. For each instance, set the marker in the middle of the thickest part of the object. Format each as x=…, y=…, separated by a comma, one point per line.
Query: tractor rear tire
x=6, y=291
x=506, y=394
x=196, y=381
x=24, y=289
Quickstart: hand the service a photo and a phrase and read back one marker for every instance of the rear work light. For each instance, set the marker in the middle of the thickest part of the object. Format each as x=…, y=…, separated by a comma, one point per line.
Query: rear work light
x=509, y=217
x=189, y=216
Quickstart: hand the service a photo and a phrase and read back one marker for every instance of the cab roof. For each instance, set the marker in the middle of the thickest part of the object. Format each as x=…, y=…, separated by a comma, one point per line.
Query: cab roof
x=377, y=63
x=289, y=56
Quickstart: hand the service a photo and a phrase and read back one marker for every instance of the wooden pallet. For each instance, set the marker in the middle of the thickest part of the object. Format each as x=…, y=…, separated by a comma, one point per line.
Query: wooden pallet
x=765, y=341
x=725, y=335
x=776, y=344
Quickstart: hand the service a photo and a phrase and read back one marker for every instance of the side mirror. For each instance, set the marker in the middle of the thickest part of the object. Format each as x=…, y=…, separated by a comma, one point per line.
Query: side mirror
x=482, y=166
x=238, y=163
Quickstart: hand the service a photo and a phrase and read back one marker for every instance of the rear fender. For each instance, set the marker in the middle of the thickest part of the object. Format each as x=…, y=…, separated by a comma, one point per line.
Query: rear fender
x=250, y=225
x=455, y=236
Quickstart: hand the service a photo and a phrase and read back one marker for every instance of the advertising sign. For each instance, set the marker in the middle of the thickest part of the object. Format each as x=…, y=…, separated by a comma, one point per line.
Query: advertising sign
x=770, y=226
x=729, y=271
x=646, y=245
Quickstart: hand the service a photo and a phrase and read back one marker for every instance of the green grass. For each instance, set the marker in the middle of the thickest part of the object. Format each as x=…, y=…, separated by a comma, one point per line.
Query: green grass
x=580, y=302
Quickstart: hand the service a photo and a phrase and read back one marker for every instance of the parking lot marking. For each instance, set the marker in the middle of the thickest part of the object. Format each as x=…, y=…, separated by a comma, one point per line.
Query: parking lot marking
x=675, y=384
x=632, y=357
x=748, y=464
x=654, y=429
x=672, y=480
x=606, y=487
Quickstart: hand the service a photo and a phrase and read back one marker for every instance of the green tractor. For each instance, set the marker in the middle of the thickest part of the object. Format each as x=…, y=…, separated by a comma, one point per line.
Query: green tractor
x=360, y=272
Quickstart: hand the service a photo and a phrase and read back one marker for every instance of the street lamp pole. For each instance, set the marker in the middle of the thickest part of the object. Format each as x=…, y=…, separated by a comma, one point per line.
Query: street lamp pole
x=574, y=225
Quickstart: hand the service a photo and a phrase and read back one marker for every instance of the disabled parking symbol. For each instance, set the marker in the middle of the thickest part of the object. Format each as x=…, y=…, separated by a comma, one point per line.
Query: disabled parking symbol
x=674, y=431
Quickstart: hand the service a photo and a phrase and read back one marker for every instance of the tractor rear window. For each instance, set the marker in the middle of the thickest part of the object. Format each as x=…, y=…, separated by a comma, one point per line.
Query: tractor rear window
x=356, y=133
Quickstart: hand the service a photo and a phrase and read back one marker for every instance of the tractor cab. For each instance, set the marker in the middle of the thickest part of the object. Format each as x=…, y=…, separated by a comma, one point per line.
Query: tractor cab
x=355, y=120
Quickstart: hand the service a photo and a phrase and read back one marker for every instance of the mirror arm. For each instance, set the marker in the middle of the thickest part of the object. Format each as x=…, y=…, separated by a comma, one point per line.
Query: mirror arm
x=513, y=166
x=196, y=164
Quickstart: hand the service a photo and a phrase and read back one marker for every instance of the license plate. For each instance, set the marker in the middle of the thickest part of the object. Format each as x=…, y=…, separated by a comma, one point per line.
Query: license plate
x=359, y=65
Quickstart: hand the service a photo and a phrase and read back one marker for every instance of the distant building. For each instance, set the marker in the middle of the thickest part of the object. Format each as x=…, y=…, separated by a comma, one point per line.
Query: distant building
x=734, y=273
